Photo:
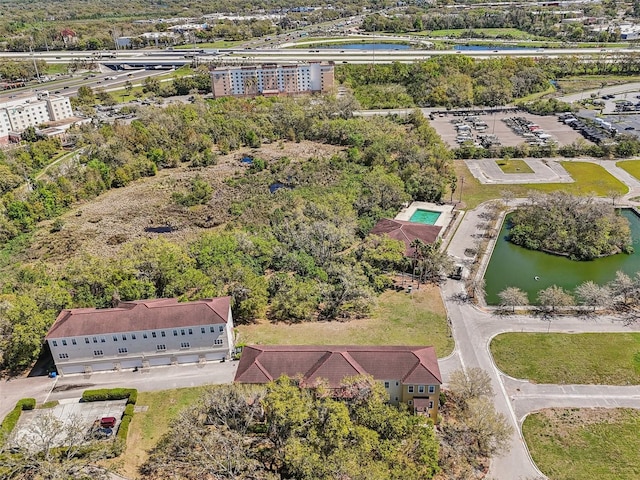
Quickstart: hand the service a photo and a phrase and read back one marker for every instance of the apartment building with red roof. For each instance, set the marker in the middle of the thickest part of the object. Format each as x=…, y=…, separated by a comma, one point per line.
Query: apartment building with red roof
x=141, y=334
x=410, y=374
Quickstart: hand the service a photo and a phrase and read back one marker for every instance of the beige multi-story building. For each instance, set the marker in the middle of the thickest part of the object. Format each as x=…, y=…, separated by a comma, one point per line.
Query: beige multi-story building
x=141, y=334
x=272, y=79
x=410, y=374
x=30, y=110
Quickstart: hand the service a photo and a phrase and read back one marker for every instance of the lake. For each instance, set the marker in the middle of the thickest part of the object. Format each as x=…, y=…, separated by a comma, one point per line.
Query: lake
x=515, y=266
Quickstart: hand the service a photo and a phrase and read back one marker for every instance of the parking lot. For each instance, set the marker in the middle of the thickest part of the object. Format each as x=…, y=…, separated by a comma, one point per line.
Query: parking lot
x=496, y=125
x=35, y=425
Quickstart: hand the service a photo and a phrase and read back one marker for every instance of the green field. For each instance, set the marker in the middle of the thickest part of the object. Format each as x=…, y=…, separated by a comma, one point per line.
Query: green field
x=570, y=85
x=632, y=167
x=219, y=44
x=586, y=358
x=147, y=427
x=482, y=32
x=589, y=179
x=399, y=319
x=514, y=166
x=585, y=444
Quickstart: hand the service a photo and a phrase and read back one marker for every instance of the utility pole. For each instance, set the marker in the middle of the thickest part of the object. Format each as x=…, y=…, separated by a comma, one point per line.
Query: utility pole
x=461, y=187
x=35, y=65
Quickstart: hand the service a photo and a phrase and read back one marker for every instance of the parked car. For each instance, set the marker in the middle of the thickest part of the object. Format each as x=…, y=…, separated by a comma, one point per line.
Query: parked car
x=108, y=422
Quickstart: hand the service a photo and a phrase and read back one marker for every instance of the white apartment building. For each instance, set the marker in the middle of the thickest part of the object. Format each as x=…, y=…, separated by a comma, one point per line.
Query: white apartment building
x=141, y=334
x=31, y=110
x=272, y=79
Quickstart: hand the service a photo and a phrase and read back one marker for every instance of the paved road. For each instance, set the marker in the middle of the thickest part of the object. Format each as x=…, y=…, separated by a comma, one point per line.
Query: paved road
x=473, y=329
x=157, y=378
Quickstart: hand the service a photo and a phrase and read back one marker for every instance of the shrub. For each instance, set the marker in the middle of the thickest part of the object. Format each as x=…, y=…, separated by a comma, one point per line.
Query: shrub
x=123, y=430
x=99, y=395
x=129, y=409
x=11, y=420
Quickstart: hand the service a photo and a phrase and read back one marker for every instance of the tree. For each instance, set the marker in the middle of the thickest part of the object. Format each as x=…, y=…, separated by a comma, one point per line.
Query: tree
x=553, y=297
x=593, y=295
x=622, y=286
x=490, y=429
x=513, y=297
x=471, y=383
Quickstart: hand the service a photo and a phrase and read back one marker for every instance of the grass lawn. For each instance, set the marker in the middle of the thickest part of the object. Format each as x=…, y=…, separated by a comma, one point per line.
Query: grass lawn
x=53, y=68
x=585, y=444
x=592, y=82
x=514, y=166
x=147, y=427
x=589, y=179
x=586, y=358
x=485, y=32
x=632, y=167
x=398, y=319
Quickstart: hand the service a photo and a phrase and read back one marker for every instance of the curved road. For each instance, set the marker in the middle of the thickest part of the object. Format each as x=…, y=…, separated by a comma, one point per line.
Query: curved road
x=473, y=329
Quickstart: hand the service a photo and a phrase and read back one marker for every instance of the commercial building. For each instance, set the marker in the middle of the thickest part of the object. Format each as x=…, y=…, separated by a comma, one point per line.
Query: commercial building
x=410, y=374
x=141, y=334
x=31, y=110
x=272, y=79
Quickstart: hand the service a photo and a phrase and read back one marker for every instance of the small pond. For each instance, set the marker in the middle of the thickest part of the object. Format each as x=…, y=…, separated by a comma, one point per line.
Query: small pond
x=532, y=271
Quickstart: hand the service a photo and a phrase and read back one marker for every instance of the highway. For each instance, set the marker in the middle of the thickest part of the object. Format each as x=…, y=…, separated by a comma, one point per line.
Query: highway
x=174, y=58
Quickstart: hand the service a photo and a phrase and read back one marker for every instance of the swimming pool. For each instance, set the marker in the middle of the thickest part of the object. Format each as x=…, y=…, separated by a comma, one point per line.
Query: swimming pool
x=428, y=217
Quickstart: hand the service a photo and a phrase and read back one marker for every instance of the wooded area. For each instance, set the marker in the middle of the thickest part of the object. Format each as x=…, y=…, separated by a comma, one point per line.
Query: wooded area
x=295, y=255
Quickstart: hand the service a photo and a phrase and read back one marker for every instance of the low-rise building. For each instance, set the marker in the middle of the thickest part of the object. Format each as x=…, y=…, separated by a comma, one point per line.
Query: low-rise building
x=272, y=79
x=141, y=334
x=410, y=374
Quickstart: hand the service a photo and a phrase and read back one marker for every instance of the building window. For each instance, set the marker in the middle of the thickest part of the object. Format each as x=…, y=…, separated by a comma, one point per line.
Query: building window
x=162, y=333
x=73, y=341
x=161, y=347
x=153, y=334
x=420, y=388
x=54, y=343
x=203, y=330
x=191, y=331
x=175, y=333
x=432, y=389
x=103, y=340
x=64, y=342
x=122, y=350
x=98, y=353
x=115, y=338
x=221, y=328
x=95, y=339
x=410, y=388
x=386, y=384
x=133, y=336
x=218, y=341
x=396, y=399
x=124, y=337
x=86, y=339
x=185, y=345
x=182, y=332
x=431, y=404
x=410, y=402
x=212, y=330
x=144, y=335
x=63, y=355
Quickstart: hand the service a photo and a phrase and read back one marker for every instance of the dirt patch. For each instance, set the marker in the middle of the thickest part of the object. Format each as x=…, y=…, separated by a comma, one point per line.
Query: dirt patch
x=144, y=208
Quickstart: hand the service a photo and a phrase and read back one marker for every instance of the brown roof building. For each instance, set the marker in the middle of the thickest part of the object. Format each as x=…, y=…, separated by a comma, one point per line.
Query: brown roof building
x=407, y=232
x=141, y=333
x=407, y=372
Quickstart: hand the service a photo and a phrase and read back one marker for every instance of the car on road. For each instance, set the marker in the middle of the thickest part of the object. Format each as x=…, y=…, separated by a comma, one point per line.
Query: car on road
x=630, y=128
x=56, y=92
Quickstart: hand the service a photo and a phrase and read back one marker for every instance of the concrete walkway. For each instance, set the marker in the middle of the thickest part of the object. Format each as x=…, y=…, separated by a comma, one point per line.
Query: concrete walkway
x=473, y=329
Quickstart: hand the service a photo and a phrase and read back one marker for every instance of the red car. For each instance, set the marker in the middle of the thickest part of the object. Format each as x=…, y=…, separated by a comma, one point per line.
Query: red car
x=108, y=422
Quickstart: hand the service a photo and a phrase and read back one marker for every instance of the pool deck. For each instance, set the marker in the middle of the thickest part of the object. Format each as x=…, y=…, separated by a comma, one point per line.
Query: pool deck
x=446, y=213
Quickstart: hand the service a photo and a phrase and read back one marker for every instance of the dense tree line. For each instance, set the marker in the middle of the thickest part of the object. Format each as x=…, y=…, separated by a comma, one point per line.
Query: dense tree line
x=578, y=227
x=283, y=431
x=296, y=255
x=542, y=22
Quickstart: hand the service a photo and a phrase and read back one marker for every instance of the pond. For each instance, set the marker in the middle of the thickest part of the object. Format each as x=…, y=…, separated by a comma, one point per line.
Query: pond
x=370, y=46
x=532, y=271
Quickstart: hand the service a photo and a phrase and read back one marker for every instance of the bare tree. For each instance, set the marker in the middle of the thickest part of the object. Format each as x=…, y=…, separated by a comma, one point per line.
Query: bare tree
x=507, y=197
x=472, y=383
x=622, y=286
x=593, y=295
x=513, y=297
x=553, y=297
x=490, y=428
